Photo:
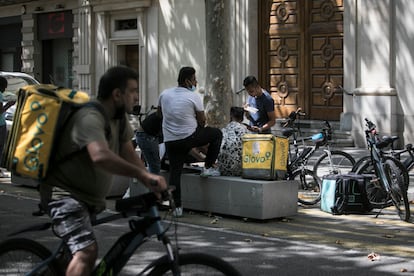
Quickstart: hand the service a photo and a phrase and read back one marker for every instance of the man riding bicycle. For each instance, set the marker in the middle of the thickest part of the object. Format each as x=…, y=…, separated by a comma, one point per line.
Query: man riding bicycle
x=79, y=185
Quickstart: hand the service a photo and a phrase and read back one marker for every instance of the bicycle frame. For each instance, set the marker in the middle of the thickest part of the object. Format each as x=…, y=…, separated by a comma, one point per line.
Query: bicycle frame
x=125, y=246
x=301, y=158
x=377, y=158
x=117, y=257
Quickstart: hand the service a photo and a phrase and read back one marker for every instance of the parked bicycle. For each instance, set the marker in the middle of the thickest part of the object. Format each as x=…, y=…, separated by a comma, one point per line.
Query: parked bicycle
x=387, y=147
x=390, y=183
x=22, y=256
x=330, y=162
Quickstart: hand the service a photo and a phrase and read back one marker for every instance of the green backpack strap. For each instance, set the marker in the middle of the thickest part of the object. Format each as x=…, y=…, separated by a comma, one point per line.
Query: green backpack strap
x=108, y=134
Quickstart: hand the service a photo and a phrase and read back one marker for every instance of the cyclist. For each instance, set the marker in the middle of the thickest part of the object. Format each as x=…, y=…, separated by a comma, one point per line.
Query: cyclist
x=260, y=107
x=79, y=185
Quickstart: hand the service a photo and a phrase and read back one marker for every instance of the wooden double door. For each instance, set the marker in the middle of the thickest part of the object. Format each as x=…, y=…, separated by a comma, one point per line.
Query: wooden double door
x=301, y=56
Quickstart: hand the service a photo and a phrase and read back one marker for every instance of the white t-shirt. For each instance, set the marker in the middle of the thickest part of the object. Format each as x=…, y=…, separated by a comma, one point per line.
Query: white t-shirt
x=179, y=106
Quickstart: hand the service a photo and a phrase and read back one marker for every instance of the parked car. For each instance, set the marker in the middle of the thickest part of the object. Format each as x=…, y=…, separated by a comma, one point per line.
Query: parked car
x=15, y=81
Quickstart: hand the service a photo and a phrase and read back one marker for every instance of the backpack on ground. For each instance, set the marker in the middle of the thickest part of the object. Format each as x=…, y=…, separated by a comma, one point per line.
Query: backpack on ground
x=345, y=194
x=42, y=112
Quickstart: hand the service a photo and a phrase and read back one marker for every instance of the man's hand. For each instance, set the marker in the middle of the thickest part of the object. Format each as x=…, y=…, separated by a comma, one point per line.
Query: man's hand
x=254, y=129
x=156, y=184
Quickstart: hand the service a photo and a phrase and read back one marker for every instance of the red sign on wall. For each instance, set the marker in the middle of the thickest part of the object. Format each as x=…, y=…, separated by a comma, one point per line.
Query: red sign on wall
x=55, y=25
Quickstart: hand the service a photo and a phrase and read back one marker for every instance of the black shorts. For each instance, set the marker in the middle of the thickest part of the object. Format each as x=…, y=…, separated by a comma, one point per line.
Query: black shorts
x=72, y=223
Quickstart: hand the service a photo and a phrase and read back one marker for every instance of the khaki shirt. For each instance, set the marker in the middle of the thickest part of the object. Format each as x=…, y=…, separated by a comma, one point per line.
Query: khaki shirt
x=77, y=175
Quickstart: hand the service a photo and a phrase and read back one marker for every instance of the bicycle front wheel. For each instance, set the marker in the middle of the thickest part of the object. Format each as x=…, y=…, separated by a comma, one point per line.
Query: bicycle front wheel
x=18, y=256
x=376, y=192
x=309, y=190
x=339, y=162
x=398, y=190
x=197, y=264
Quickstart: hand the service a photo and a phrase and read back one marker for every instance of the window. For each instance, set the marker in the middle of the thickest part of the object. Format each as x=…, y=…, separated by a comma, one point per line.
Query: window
x=126, y=24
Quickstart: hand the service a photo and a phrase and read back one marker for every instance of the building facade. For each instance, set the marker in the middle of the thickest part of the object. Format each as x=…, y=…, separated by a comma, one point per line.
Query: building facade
x=304, y=52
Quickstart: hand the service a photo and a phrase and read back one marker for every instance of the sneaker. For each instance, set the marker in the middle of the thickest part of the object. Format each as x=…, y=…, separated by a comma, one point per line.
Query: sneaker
x=210, y=172
x=3, y=174
x=178, y=212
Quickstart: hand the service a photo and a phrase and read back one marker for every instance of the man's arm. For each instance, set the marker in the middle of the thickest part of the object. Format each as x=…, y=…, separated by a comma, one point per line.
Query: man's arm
x=272, y=121
x=126, y=164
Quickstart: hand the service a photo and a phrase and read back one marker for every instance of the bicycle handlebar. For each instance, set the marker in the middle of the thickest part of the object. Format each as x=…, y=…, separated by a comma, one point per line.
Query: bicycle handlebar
x=142, y=203
x=370, y=125
x=293, y=116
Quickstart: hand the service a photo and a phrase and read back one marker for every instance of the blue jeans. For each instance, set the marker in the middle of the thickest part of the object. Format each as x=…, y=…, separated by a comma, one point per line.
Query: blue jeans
x=149, y=146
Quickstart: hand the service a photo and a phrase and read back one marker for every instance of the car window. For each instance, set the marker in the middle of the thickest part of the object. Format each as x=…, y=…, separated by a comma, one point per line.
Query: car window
x=13, y=85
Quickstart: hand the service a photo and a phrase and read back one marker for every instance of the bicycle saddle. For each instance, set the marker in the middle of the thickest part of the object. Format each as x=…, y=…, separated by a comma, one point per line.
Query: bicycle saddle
x=386, y=141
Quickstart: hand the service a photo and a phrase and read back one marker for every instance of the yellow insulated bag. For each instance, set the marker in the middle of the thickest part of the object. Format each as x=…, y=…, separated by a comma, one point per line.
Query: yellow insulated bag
x=264, y=156
x=41, y=112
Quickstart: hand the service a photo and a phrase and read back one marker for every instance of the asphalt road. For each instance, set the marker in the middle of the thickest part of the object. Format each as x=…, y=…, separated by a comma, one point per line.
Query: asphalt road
x=309, y=243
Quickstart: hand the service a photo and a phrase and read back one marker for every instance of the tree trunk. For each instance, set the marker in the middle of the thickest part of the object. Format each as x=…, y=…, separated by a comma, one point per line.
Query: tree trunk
x=218, y=94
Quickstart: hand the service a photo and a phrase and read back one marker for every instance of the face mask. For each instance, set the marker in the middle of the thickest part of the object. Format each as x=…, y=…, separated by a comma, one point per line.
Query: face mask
x=192, y=88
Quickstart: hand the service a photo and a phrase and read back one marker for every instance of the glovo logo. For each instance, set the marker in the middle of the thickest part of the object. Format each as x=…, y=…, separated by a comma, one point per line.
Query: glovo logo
x=32, y=157
x=258, y=153
x=256, y=158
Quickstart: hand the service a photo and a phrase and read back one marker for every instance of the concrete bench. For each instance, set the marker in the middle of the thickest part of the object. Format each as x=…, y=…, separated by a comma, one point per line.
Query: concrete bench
x=258, y=199
x=236, y=196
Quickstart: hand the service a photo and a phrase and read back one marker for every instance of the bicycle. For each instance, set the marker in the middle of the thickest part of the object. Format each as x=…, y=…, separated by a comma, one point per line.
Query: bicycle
x=330, y=162
x=22, y=256
x=388, y=142
x=390, y=183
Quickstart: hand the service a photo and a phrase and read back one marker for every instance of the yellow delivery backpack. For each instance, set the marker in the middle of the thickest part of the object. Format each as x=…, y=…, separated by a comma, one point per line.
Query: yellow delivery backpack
x=264, y=156
x=41, y=113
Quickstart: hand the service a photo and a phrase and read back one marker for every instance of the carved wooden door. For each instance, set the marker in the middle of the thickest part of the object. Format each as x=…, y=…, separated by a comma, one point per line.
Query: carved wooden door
x=301, y=56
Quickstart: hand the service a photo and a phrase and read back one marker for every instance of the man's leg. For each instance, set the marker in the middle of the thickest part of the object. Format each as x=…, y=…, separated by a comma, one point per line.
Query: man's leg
x=176, y=152
x=211, y=136
x=71, y=222
x=83, y=261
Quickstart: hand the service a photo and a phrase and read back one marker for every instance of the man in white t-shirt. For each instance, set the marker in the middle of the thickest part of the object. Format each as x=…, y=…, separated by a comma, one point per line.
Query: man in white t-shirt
x=183, y=129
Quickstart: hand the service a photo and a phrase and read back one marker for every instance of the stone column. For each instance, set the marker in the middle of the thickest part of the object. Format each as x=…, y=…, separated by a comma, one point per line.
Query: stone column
x=31, y=47
x=243, y=45
x=82, y=43
x=369, y=67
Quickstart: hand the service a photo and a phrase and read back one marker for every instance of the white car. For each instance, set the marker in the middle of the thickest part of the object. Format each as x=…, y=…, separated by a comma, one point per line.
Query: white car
x=15, y=81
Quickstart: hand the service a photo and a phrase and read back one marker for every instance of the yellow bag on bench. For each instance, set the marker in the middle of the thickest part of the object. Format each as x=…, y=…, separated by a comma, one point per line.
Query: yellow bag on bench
x=264, y=156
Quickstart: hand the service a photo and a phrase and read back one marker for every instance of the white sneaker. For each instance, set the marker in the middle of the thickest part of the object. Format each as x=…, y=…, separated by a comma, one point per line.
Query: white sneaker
x=178, y=212
x=210, y=172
